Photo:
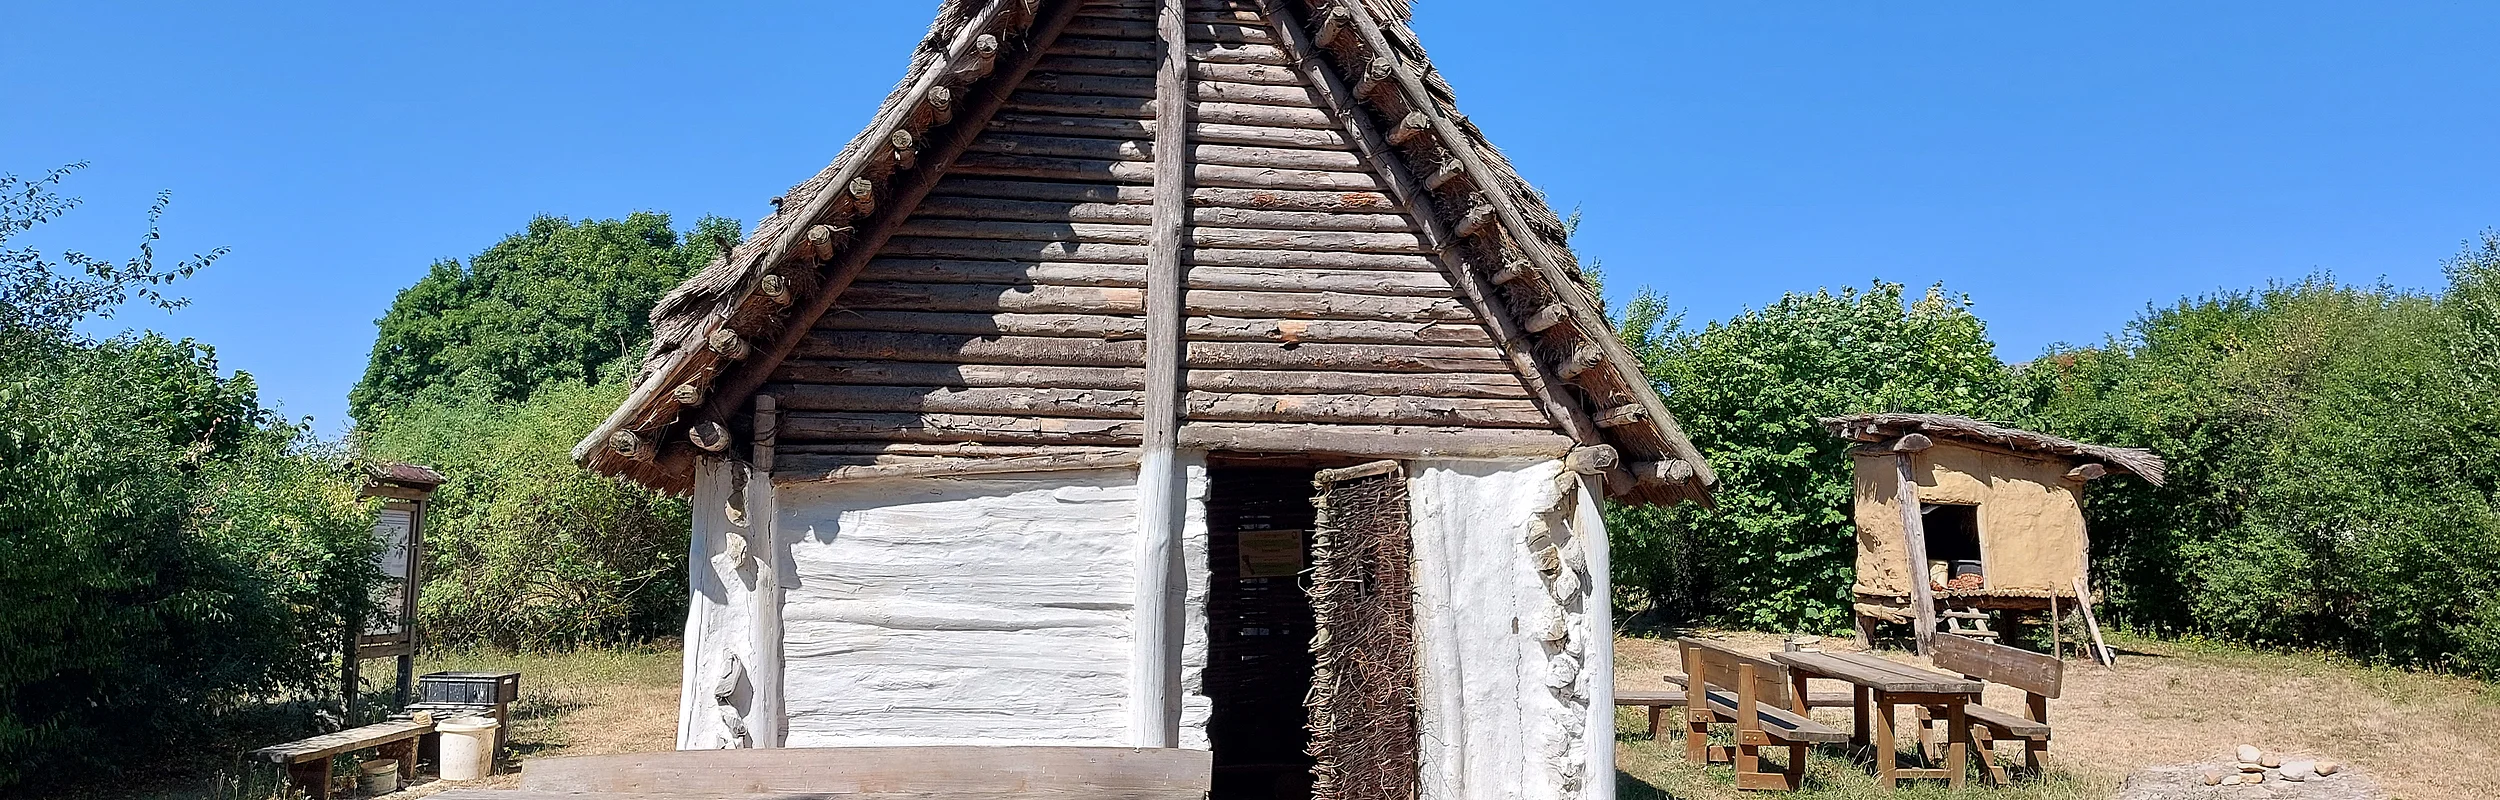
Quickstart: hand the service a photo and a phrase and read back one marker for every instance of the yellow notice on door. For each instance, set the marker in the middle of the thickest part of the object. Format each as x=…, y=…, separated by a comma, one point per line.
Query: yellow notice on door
x=1271, y=554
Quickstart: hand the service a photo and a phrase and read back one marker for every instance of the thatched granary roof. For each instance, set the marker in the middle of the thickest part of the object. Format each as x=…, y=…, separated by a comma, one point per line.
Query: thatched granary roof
x=2139, y=462
x=718, y=337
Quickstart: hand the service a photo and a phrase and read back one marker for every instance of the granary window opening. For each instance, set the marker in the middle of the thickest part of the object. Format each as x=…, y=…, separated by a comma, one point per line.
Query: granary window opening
x=1259, y=627
x=1954, y=558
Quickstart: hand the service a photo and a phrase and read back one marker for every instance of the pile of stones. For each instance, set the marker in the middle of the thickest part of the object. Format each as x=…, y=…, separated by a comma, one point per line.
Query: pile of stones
x=2256, y=766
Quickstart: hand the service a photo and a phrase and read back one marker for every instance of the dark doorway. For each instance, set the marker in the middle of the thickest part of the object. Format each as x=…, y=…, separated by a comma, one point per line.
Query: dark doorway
x=1258, y=630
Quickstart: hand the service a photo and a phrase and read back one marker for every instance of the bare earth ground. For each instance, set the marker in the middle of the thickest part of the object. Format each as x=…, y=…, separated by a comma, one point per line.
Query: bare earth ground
x=2166, y=705
x=576, y=704
x=2416, y=736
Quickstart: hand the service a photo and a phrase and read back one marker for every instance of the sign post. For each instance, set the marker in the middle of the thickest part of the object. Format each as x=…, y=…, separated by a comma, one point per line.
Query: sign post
x=405, y=489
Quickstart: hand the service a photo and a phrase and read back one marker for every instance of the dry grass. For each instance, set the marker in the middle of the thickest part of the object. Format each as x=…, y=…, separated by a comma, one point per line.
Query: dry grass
x=587, y=702
x=2420, y=736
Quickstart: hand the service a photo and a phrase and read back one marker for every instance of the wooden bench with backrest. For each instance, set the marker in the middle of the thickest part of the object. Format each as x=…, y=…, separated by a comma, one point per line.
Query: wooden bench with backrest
x=307, y=761
x=1755, y=694
x=866, y=773
x=1657, y=701
x=2040, y=677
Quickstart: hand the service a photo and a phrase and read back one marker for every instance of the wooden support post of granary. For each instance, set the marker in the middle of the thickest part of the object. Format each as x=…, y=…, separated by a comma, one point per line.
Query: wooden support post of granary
x=1010, y=426
x=1961, y=517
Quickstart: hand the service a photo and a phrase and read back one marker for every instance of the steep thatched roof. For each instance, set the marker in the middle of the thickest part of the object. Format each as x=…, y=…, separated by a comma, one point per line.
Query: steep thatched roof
x=1880, y=427
x=718, y=336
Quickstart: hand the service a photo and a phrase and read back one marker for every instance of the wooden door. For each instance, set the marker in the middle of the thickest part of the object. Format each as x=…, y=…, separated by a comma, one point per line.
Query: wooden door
x=1362, y=701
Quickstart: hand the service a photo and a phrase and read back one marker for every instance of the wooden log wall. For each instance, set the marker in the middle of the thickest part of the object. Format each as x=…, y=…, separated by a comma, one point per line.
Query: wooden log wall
x=1009, y=307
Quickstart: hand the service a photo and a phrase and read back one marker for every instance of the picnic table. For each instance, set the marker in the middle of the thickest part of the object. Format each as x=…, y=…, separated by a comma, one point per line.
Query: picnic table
x=1880, y=687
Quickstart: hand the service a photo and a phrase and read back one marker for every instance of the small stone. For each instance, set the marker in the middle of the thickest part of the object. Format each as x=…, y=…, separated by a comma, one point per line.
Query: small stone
x=2270, y=761
x=2252, y=778
x=2213, y=777
x=2329, y=768
x=2249, y=753
x=2251, y=766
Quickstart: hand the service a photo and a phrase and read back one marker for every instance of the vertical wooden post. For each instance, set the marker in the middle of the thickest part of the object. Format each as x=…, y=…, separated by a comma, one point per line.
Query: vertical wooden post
x=764, y=719
x=1914, y=537
x=1162, y=588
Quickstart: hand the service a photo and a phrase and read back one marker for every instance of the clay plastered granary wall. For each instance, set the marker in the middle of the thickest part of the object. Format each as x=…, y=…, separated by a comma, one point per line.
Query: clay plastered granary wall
x=2030, y=518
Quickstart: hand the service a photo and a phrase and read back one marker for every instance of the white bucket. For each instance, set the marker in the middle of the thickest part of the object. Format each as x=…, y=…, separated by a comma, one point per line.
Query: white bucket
x=468, y=748
x=381, y=776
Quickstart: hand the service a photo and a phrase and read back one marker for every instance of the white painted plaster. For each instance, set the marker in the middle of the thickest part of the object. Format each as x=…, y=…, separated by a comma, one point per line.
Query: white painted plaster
x=1506, y=667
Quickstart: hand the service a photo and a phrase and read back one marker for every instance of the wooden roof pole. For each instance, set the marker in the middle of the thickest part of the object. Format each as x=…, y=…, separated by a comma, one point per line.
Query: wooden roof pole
x=971, y=121
x=628, y=420
x=1162, y=586
x=1558, y=406
x=1421, y=98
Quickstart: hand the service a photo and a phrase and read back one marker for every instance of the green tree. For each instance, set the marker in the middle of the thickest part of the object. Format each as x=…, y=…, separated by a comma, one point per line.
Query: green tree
x=560, y=301
x=1776, y=550
x=174, y=551
x=524, y=549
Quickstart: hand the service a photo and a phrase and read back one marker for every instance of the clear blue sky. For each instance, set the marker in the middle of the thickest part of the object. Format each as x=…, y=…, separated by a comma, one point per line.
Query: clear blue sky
x=2065, y=163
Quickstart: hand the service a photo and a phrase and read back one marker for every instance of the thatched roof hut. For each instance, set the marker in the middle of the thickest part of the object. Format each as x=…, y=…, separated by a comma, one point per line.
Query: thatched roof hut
x=1997, y=520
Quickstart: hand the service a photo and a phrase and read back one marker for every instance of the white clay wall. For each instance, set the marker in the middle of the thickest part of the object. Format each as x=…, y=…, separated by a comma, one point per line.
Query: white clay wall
x=1515, y=641
x=993, y=610
x=997, y=610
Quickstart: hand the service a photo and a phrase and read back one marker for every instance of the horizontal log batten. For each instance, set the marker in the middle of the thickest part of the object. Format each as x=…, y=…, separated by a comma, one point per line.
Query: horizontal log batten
x=1216, y=238
x=1253, y=114
x=1134, y=150
x=851, y=468
x=1045, y=299
x=1055, y=351
x=1198, y=405
x=899, y=373
x=982, y=208
x=1211, y=329
x=1266, y=279
x=1142, y=173
x=958, y=428
x=1131, y=129
x=1103, y=253
x=1373, y=440
x=1247, y=199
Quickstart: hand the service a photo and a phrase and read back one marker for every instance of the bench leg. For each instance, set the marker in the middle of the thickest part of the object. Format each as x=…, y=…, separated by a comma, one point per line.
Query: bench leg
x=1927, y=745
x=1984, y=745
x=1887, y=771
x=1655, y=714
x=406, y=751
x=311, y=777
x=2032, y=750
x=1696, y=736
x=1957, y=754
x=1857, y=723
x=1796, y=766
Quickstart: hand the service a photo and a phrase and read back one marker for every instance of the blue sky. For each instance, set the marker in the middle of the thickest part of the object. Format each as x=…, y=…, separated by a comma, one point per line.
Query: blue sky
x=2065, y=163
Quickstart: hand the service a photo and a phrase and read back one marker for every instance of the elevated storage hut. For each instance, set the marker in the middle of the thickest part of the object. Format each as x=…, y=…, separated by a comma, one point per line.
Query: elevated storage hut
x=1958, y=515
x=1006, y=427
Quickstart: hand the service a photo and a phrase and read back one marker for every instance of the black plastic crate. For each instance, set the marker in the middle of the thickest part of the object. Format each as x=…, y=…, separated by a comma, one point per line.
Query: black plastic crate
x=469, y=688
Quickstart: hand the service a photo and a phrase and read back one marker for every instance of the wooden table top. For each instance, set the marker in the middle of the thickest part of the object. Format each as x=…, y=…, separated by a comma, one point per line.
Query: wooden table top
x=1877, y=673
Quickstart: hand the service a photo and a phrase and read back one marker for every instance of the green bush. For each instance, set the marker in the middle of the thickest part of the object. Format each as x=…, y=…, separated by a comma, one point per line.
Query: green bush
x=524, y=549
x=2335, y=461
x=1776, y=550
x=173, y=553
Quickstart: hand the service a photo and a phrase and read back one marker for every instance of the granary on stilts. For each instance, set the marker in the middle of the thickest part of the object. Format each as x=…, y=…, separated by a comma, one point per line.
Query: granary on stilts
x=1958, y=519
x=1164, y=374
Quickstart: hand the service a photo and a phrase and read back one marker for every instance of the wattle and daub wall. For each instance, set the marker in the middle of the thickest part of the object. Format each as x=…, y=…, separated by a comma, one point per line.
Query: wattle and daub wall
x=2031, y=526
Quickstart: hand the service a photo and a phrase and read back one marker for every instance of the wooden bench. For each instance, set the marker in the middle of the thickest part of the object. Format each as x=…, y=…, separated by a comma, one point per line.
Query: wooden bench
x=307, y=761
x=866, y=773
x=2040, y=677
x=1656, y=700
x=1754, y=694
